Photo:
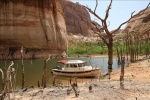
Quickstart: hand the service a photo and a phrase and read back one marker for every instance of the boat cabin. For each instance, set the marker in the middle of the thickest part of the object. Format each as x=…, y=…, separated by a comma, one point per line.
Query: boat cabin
x=76, y=68
x=72, y=63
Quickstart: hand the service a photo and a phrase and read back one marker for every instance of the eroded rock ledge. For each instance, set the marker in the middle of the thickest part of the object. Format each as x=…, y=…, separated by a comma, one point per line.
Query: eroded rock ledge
x=38, y=25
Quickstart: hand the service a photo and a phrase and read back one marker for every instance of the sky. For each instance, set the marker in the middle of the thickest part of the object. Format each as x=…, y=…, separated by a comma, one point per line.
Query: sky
x=120, y=10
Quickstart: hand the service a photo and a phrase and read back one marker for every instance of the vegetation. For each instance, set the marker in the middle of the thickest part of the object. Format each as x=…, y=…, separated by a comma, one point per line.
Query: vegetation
x=82, y=48
x=99, y=48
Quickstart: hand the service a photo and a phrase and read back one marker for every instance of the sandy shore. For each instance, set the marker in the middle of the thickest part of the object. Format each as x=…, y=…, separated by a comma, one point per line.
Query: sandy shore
x=136, y=87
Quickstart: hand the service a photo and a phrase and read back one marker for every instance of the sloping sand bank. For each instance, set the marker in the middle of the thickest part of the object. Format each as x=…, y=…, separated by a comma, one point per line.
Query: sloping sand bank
x=136, y=87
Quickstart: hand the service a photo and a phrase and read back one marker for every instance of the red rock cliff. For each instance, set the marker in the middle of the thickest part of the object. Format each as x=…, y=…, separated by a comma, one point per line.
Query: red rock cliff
x=77, y=18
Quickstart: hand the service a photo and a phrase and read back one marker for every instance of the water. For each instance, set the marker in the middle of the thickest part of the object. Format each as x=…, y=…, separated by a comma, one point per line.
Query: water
x=34, y=69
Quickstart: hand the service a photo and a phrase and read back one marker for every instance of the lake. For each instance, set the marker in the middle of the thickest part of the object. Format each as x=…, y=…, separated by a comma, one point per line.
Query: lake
x=34, y=69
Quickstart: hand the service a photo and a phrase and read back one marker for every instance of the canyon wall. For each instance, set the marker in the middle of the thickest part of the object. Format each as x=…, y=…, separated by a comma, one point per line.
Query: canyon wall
x=37, y=25
x=139, y=24
x=77, y=18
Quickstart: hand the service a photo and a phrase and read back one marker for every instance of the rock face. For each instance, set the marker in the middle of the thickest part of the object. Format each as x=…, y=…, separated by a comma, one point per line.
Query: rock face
x=38, y=25
x=140, y=23
x=77, y=18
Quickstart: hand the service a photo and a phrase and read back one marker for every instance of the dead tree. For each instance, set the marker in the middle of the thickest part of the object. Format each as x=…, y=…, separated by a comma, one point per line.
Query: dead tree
x=8, y=82
x=44, y=74
x=44, y=78
x=74, y=87
x=127, y=44
x=109, y=34
x=23, y=80
x=2, y=78
x=122, y=73
x=118, y=54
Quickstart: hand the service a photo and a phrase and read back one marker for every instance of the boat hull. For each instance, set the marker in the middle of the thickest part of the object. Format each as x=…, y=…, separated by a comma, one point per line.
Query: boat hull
x=88, y=73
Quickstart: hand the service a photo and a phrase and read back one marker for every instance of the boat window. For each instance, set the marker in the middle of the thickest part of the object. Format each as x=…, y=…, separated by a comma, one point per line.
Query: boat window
x=80, y=65
x=67, y=65
x=71, y=65
x=74, y=65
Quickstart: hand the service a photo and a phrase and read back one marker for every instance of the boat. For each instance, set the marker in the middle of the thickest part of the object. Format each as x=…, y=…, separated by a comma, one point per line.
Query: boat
x=75, y=68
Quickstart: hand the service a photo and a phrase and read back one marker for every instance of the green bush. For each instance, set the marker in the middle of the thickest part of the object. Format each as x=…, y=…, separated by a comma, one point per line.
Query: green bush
x=86, y=48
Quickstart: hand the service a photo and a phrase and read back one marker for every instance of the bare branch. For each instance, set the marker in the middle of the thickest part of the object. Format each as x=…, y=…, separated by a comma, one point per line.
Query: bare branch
x=99, y=33
x=2, y=73
x=96, y=6
x=92, y=12
x=103, y=21
x=49, y=57
x=132, y=16
x=107, y=11
x=132, y=13
x=11, y=64
x=105, y=27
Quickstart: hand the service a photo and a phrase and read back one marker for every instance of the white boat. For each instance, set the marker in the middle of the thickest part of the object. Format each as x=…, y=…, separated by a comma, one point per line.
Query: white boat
x=76, y=68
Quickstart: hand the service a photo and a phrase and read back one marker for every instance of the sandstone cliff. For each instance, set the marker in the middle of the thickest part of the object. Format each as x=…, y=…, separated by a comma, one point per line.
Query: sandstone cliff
x=140, y=23
x=77, y=18
x=38, y=25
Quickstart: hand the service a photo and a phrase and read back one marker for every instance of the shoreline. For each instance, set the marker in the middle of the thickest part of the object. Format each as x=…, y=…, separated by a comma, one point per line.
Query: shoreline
x=136, y=82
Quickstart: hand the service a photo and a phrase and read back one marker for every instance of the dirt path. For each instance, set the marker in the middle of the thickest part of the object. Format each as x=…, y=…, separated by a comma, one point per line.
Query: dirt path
x=136, y=87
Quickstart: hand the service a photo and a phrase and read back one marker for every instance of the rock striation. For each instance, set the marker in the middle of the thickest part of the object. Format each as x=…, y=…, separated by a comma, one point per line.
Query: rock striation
x=38, y=25
x=77, y=18
x=139, y=24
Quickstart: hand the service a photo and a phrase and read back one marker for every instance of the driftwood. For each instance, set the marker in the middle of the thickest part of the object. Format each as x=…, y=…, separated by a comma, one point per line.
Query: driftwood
x=27, y=88
x=2, y=97
x=40, y=91
x=8, y=82
x=74, y=87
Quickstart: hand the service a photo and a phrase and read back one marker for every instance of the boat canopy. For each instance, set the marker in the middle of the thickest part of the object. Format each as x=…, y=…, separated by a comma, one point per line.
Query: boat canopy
x=71, y=61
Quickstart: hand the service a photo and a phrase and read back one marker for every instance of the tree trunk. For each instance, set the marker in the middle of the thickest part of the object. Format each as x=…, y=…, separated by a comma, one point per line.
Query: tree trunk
x=118, y=55
x=137, y=48
x=110, y=54
x=2, y=78
x=22, y=67
x=122, y=73
x=127, y=46
x=44, y=74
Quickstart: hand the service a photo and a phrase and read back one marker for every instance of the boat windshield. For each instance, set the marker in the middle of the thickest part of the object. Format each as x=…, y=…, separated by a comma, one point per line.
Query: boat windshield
x=75, y=65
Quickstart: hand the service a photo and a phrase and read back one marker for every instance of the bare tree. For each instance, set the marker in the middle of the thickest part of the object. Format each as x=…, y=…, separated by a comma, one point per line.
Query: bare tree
x=44, y=78
x=23, y=80
x=2, y=78
x=109, y=34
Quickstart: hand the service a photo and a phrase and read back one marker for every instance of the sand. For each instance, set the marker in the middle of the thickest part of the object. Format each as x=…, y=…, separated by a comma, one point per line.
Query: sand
x=136, y=87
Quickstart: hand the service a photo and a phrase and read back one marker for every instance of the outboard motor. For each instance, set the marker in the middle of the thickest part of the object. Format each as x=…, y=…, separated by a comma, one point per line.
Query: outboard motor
x=57, y=67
